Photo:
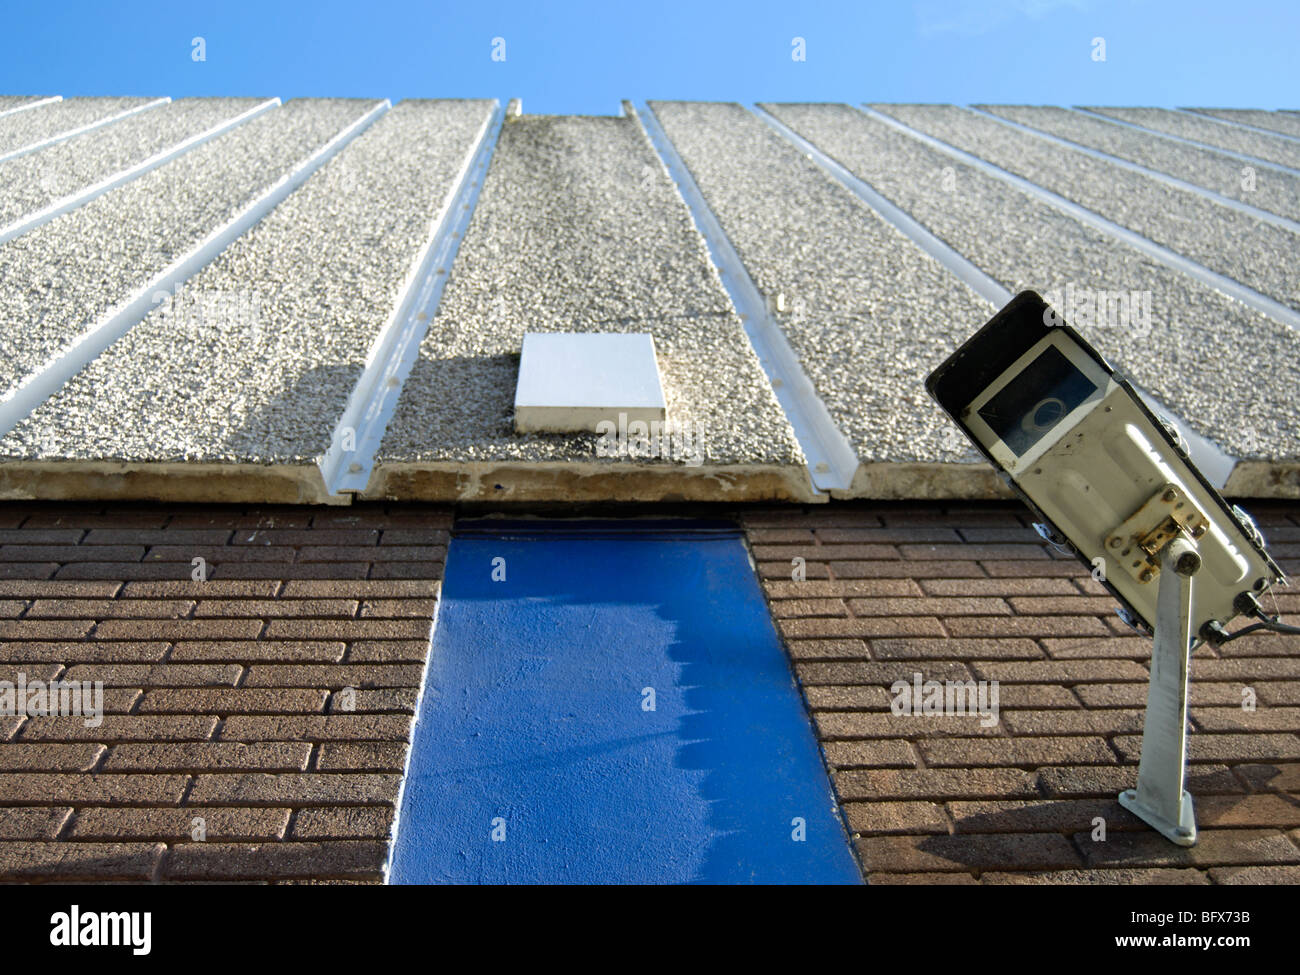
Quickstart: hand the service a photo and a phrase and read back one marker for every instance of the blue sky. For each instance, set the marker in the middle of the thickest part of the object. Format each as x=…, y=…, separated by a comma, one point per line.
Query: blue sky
x=582, y=57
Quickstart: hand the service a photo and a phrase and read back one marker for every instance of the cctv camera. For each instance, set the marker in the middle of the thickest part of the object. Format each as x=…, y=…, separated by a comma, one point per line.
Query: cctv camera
x=1075, y=441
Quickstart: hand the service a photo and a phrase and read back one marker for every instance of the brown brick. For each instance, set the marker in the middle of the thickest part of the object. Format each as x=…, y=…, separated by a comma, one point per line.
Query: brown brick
x=71, y=553
x=21, y=757
x=1066, y=671
x=334, y=676
x=158, y=675
x=789, y=608
x=178, y=825
x=1289, y=875
x=839, y=588
x=1235, y=719
x=122, y=727
x=884, y=753
x=315, y=536
x=956, y=648
x=1223, y=747
x=297, y=651
x=379, y=699
x=178, y=629
x=388, y=651
x=389, y=554
x=1134, y=695
x=1073, y=722
x=210, y=589
x=828, y=649
x=52, y=589
x=1029, y=552
x=935, y=784
x=1119, y=648
x=343, y=822
x=899, y=570
x=102, y=609
x=879, y=627
x=935, y=879
x=397, y=608
x=901, y=854
x=885, y=724
x=884, y=673
x=44, y=629
x=823, y=553
x=74, y=789
x=1109, y=781
x=1040, y=816
x=69, y=653
x=168, y=536
x=27, y=571
x=1022, y=752
x=998, y=587
x=272, y=608
x=36, y=536
x=1214, y=847
x=362, y=588
x=223, y=701
x=65, y=862
x=276, y=756
x=1127, y=878
x=1032, y=569
x=929, y=606
x=882, y=818
x=1063, y=605
x=847, y=697
x=32, y=822
x=333, y=727
x=279, y=570
x=1278, y=777
x=298, y=789
x=348, y=629
x=239, y=861
x=1027, y=626
x=362, y=756
x=1258, y=810
x=892, y=535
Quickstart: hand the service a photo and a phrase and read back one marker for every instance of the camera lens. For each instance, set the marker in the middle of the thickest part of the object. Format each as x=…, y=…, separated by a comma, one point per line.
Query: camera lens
x=1045, y=414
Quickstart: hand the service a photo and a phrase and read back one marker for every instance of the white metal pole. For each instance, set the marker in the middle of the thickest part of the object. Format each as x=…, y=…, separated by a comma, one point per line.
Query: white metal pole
x=1160, y=798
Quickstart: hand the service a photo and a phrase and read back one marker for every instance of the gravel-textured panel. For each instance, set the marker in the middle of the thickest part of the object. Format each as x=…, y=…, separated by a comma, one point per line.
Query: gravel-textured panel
x=580, y=229
x=1235, y=244
x=322, y=273
x=1230, y=372
x=34, y=181
x=13, y=101
x=39, y=124
x=62, y=277
x=1267, y=189
x=868, y=313
x=1213, y=133
x=1284, y=122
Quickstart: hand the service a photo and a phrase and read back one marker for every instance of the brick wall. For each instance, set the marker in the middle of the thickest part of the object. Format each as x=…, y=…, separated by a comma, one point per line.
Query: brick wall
x=972, y=593
x=225, y=699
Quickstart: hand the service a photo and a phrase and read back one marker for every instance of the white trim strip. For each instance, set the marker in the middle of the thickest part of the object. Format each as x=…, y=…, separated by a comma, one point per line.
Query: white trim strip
x=961, y=267
x=32, y=104
x=1212, y=279
x=59, y=207
x=50, y=378
x=90, y=127
x=832, y=461
x=1241, y=156
x=1258, y=129
x=1266, y=216
x=395, y=349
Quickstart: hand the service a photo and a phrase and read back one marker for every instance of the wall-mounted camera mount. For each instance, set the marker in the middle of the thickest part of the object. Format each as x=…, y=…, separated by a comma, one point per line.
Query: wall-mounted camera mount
x=1114, y=483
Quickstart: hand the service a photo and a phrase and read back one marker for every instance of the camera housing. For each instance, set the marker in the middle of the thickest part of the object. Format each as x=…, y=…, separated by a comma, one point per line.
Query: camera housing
x=1114, y=482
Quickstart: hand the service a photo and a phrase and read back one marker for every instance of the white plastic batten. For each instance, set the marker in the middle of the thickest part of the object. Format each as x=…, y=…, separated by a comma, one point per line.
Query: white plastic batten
x=82, y=130
x=1258, y=129
x=1212, y=279
x=1285, y=223
x=1204, y=451
x=394, y=351
x=16, y=404
x=832, y=461
x=1212, y=460
x=35, y=103
x=961, y=267
x=1184, y=141
x=59, y=207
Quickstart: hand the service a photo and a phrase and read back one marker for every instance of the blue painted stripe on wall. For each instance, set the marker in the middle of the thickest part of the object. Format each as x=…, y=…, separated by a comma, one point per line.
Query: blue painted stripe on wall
x=533, y=724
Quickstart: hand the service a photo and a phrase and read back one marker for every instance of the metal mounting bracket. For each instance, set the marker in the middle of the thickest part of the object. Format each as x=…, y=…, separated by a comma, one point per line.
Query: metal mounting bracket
x=1160, y=798
x=1136, y=543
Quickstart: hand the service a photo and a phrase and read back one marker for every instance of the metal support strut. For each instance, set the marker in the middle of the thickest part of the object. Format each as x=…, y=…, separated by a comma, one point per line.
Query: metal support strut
x=1160, y=798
